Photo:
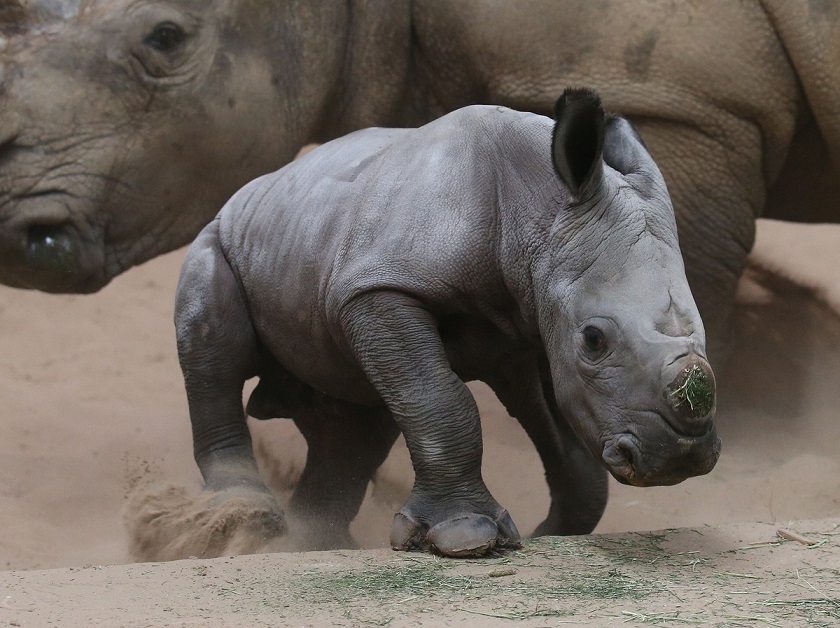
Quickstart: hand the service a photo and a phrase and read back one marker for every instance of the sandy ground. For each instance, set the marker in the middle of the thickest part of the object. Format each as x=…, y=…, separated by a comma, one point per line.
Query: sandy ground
x=734, y=575
x=92, y=400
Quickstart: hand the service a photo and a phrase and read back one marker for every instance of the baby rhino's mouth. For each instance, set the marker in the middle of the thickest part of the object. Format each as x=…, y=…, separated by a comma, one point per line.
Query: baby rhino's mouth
x=662, y=458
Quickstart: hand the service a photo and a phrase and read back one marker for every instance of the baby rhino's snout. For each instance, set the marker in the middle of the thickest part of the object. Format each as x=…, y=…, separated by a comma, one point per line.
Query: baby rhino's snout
x=683, y=442
x=690, y=394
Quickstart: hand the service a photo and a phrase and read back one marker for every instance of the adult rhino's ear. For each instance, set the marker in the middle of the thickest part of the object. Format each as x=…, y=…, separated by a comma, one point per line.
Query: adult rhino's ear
x=578, y=141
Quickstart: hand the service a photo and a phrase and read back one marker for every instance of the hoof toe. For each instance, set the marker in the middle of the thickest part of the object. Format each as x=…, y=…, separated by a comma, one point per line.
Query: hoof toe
x=406, y=533
x=469, y=535
x=508, y=534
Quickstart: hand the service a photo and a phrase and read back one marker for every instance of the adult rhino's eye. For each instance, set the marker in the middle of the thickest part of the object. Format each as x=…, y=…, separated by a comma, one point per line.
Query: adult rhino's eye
x=594, y=340
x=165, y=37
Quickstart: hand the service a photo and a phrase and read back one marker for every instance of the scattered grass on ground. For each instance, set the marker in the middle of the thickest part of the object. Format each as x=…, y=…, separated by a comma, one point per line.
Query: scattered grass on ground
x=629, y=578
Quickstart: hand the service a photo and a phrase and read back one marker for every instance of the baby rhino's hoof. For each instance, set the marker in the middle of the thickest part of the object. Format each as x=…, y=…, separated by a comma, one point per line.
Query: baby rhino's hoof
x=465, y=536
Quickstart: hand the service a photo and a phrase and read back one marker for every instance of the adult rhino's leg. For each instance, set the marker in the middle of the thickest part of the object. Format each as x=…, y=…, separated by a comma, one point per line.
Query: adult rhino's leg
x=217, y=348
x=577, y=482
x=449, y=510
x=717, y=187
x=346, y=445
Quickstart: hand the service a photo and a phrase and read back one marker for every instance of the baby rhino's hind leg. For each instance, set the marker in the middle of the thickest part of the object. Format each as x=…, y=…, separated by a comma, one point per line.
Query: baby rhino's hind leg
x=217, y=349
x=346, y=445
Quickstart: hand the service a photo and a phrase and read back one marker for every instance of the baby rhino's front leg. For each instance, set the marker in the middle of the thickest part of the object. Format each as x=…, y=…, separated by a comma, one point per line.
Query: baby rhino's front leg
x=450, y=510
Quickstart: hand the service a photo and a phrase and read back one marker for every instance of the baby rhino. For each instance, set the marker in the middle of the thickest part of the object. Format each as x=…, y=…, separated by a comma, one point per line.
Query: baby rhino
x=367, y=281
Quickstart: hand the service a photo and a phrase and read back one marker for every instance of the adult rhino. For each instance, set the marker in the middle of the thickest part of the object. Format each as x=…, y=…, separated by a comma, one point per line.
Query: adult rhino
x=127, y=123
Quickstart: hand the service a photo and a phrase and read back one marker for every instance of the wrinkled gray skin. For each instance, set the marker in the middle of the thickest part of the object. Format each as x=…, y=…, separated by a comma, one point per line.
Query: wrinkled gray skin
x=121, y=138
x=365, y=282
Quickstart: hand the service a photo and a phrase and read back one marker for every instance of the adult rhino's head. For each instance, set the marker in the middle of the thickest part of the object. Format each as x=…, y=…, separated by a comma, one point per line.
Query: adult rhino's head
x=126, y=124
x=624, y=339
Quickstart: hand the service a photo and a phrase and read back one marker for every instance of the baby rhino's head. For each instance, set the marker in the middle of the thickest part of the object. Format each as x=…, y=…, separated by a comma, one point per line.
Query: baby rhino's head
x=623, y=336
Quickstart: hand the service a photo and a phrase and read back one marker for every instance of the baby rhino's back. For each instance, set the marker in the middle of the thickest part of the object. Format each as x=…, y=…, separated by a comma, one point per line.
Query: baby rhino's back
x=413, y=210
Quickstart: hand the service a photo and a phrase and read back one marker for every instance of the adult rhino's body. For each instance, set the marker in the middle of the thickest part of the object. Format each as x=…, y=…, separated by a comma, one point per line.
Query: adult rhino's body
x=127, y=125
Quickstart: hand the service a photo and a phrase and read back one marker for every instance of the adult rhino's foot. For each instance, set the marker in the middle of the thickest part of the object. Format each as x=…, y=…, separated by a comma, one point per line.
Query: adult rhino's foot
x=464, y=535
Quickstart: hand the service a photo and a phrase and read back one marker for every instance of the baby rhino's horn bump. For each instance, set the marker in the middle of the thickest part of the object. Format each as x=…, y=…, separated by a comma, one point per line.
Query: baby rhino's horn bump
x=692, y=393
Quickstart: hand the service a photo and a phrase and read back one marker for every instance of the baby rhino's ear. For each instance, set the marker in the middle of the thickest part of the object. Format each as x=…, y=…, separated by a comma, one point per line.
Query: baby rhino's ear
x=578, y=141
x=625, y=152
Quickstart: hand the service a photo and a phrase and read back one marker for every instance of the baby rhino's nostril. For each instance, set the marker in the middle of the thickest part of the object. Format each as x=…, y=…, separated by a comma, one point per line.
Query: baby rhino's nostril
x=622, y=458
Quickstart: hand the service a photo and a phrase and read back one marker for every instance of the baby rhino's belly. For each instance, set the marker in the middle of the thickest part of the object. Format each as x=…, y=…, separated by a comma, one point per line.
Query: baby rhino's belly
x=299, y=341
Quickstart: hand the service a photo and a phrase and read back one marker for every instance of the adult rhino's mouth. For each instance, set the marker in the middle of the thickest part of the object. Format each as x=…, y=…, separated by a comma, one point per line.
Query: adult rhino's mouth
x=44, y=251
x=653, y=453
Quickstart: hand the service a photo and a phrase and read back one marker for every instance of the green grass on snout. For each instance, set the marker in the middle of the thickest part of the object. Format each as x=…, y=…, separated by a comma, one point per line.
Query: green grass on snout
x=697, y=390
